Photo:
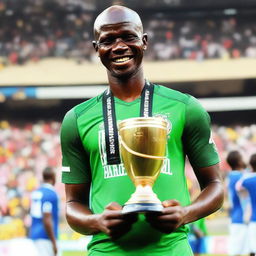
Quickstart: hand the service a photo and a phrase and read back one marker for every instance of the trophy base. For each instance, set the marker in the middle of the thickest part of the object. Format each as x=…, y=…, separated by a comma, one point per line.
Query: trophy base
x=142, y=208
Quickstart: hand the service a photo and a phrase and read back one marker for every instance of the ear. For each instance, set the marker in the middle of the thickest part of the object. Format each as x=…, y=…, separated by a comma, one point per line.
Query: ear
x=95, y=45
x=145, y=41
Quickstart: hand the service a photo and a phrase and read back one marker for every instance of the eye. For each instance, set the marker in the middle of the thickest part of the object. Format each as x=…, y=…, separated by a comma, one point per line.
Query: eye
x=106, y=41
x=130, y=38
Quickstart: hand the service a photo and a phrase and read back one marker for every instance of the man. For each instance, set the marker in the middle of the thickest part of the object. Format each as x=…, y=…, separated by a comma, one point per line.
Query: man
x=95, y=180
x=249, y=183
x=197, y=235
x=45, y=215
x=238, y=228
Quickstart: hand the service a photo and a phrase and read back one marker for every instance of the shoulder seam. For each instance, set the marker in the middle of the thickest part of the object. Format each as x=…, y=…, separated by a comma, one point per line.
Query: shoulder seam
x=87, y=108
x=173, y=98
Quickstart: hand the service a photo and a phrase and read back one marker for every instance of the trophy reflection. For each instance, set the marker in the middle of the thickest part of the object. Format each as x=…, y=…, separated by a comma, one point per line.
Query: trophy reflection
x=143, y=148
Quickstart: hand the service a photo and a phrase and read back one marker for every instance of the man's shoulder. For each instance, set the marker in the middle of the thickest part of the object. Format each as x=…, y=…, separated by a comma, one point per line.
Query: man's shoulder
x=250, y=177
x=84, y=107
x=87, y=105
x=37, y=193
x=172, y=94
x=191, y=104
x=49, y=192
x=235, y=173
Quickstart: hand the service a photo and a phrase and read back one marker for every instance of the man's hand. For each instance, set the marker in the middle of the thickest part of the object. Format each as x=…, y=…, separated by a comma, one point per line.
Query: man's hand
x=198, y=233
x=170, y=219
x=113, y=222
x=55, y=249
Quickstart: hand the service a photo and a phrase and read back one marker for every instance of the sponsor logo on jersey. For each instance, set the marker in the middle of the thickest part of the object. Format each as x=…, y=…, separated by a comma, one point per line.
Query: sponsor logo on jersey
x=115, y=170
x=165, y=117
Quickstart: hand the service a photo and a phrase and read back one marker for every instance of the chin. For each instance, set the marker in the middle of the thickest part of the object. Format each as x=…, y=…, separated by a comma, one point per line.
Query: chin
x=124, y=74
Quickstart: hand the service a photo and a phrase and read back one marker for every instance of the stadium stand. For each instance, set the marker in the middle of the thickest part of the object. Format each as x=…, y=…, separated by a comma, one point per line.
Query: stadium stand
x=43, y=29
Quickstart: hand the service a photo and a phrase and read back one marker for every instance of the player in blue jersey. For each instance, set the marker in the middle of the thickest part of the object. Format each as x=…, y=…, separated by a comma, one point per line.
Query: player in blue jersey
x=249, y=183
x=45, y=215
x=197, y=235
x=238, y=229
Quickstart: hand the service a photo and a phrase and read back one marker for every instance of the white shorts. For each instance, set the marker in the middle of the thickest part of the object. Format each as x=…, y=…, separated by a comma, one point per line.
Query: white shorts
x=44, y=247
x=252, y=237
x=238, y=239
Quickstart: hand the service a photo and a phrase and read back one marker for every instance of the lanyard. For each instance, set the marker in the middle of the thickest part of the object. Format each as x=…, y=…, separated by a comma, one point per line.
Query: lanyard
x=109, y=115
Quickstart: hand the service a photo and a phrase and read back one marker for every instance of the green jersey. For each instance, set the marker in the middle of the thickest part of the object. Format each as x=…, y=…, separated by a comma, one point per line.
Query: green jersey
x=84, y=160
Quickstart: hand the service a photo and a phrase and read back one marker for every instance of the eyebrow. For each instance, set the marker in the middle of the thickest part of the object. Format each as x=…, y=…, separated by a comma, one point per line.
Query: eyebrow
x=124, y=32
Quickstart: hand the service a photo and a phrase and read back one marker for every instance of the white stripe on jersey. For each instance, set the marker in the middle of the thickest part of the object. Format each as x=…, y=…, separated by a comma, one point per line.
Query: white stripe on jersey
x=65, y=168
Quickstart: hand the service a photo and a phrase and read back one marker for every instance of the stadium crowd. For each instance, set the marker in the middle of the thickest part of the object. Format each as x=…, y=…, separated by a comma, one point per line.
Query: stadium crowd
x=33, y=30
x=27, y=148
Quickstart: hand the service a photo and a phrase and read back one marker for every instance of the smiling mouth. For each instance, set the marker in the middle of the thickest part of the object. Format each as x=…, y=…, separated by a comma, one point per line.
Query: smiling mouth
x=122, y=60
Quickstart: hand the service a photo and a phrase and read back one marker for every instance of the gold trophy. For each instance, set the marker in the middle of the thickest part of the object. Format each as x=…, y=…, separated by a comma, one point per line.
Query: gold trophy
x=143, y=148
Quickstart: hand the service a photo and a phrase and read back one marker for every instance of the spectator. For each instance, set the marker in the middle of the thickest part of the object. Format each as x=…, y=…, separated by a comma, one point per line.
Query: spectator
x=238, y=228
x=197, y=237
x=249, y=183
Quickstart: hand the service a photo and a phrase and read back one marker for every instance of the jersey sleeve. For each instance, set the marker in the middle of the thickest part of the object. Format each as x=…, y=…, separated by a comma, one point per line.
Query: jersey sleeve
x=199, y=146
x=47, y=207
x=75, y=162
x=243, y=182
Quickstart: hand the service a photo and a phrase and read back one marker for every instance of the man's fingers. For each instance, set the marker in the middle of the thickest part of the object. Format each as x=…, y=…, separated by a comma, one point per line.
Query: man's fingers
x=169, y=203
x=113, y=206
x=112, y=223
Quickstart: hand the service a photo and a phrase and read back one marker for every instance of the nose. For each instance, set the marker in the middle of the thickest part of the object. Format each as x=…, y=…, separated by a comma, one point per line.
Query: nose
x=119, y=45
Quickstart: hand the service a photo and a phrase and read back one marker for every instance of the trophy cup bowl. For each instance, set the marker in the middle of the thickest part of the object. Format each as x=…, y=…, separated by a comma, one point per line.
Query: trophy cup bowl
x=143, y=148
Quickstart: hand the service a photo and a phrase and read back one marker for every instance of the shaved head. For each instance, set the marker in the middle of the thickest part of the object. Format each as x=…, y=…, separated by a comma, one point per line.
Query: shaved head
x=114, y=15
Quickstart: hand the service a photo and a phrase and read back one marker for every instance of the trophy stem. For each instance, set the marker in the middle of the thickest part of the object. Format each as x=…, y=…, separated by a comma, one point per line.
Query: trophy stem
x=143, y=200
x=145, y=181
x=144, y=194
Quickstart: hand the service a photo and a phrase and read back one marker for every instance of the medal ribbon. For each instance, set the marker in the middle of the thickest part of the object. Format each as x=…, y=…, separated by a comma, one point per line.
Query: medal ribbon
x=109, y=116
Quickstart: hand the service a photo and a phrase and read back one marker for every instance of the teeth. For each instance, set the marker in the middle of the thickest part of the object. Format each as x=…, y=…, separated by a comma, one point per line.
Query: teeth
x=122, y=59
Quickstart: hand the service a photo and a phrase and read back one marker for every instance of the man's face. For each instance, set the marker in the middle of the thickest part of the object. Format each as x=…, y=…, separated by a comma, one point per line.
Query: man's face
x=120, y=48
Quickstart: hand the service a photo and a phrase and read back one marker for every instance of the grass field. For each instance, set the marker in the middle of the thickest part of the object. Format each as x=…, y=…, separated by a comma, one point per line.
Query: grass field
x=74, y=254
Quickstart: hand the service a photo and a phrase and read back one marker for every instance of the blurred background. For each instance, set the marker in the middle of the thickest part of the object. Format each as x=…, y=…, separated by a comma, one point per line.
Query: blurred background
x=206, y=48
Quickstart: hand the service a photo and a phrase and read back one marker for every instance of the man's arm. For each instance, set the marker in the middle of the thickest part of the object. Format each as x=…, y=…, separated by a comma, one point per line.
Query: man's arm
x=211, y=197
x=47, y=220
x=209, y=200
x=79, y=216
x=77, y=169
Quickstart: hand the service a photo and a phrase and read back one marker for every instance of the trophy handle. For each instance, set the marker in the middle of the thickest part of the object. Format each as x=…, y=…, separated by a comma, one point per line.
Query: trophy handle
x=140, y=154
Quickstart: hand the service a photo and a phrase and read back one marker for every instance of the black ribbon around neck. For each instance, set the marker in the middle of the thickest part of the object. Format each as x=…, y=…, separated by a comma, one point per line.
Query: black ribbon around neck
x=110, y=126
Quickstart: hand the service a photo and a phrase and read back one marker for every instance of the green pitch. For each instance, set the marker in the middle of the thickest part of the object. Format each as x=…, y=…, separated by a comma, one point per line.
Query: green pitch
x=74, y=253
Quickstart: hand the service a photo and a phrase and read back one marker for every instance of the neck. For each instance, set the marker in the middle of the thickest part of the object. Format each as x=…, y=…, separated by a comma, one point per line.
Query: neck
x=127, y=89
x=238, y=168
x=49, y=182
